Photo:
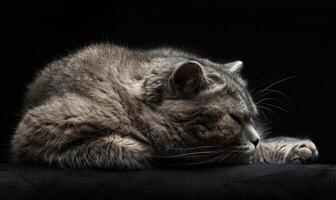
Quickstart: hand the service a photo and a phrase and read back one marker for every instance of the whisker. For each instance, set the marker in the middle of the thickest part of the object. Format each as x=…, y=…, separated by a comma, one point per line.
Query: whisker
x=196, y=158
x=280, y=108
x=265, y=99
x=267, y=90
x=264, y=107
x=199, y=147
x=259, y=80
x=282, y=80
x=263, y=113
x=268, y=109
x=206, y=161
x=278, y=92
x=233, y=156
x=184, y=154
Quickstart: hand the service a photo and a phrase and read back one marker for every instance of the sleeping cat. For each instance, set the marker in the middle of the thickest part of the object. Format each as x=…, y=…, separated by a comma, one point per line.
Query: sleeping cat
x=111, y=107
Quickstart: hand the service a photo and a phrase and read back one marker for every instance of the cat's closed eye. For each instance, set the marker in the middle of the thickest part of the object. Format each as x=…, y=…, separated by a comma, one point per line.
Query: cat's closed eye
x=236, y=118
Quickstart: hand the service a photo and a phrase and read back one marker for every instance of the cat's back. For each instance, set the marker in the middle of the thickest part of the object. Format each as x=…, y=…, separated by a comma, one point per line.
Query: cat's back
x=86, y=70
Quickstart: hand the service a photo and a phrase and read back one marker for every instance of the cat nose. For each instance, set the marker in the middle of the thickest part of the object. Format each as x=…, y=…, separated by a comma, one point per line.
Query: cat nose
x=255, y=142
x=251, y=134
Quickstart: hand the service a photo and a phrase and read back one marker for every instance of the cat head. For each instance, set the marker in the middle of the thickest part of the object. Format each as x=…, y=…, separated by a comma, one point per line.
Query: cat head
x=206, y=105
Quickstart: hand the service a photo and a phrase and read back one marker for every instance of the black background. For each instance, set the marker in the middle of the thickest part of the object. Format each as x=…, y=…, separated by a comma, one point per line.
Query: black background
x=274, y=43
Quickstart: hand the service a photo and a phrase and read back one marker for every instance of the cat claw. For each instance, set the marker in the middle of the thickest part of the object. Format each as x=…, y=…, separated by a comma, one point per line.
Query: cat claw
x=303, y=152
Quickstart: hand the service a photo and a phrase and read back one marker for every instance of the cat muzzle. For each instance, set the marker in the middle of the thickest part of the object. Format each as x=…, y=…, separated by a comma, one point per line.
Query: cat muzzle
x=251, y=134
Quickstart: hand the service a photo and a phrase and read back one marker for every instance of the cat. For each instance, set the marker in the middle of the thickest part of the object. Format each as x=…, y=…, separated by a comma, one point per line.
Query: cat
x=107, y=106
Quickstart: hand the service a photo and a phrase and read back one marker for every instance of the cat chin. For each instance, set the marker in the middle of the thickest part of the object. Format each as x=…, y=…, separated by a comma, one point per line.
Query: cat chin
x=246, y=148
x=249, y=148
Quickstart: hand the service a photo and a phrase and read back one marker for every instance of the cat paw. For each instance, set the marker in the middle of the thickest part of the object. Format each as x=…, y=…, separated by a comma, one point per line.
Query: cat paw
x=303, y=152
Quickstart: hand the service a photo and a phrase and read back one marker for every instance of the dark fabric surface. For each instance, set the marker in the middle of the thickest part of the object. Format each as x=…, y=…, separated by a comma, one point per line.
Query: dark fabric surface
x=231, y=182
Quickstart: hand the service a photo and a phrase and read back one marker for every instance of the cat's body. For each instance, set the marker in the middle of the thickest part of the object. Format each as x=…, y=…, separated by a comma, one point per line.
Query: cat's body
x=110, y=107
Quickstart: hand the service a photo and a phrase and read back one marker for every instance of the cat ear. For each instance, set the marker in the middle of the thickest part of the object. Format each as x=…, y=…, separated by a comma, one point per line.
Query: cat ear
x=235, y=66
x=187, y=78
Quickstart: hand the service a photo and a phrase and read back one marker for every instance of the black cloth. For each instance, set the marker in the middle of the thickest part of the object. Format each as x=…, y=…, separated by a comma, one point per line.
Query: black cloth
x=229, y=182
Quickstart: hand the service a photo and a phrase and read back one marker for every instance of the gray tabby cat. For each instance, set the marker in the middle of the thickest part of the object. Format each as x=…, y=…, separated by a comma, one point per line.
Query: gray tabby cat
x=111, y=107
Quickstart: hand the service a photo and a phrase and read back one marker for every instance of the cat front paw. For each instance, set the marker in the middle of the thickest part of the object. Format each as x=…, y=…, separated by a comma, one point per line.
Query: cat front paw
x=304, y=152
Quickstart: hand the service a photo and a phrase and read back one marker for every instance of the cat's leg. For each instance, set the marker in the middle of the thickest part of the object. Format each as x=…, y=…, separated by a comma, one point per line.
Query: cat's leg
x=285, y=150
x=65, y=134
